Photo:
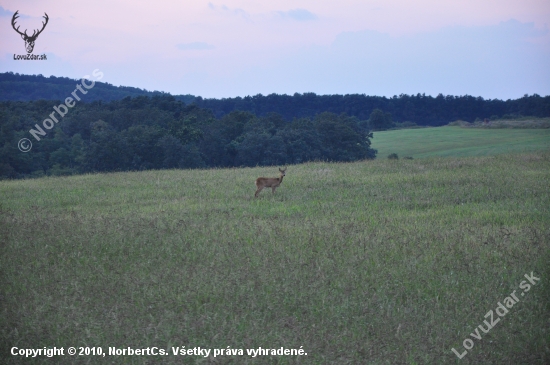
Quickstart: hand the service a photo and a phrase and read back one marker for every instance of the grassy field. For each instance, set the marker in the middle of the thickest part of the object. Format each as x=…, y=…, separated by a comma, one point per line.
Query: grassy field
x=459, y=142
x=377, y=262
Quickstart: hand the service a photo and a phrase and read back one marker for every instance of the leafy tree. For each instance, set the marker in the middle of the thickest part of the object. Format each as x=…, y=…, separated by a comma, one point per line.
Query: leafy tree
x=176, y=155
x=303, y=142
x=379, y=121
x=107, y=150
x=142, y=144
x=260, y=148
x=342, y=138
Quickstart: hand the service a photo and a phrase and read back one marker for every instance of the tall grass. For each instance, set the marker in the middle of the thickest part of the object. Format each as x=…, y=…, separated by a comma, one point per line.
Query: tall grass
x=378, y=262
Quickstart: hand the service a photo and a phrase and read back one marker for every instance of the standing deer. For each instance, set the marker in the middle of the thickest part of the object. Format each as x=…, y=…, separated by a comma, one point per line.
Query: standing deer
x=269, y=182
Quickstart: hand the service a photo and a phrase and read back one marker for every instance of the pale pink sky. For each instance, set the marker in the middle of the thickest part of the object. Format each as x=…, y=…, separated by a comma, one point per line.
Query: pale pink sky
x=490, y=48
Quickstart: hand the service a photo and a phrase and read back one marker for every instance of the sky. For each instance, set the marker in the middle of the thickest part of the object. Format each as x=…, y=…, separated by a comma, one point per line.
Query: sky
x=228, y=48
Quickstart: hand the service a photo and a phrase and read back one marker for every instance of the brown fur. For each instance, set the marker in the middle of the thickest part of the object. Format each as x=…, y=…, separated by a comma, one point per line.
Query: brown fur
x=269, y=182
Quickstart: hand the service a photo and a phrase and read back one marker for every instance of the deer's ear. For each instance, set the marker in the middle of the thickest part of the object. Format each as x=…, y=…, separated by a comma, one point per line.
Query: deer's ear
x=22, y=36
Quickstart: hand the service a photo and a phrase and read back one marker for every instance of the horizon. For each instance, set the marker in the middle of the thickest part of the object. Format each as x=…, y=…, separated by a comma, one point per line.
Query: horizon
x=284, y=94
x=242, y=48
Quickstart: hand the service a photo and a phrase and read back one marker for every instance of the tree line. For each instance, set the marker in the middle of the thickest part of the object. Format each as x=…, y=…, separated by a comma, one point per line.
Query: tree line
x=420, y=109
x=161, y=132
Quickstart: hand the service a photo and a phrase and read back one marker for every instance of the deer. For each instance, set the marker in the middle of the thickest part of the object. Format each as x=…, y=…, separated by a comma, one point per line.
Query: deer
x=269, y=182
x=29, y=40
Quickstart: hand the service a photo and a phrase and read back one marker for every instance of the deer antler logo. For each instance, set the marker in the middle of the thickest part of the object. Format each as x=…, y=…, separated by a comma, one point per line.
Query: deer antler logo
x=29, y=40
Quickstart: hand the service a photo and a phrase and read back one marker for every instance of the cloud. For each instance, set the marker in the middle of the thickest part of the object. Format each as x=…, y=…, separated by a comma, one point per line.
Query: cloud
x=4, y=12
x=300, y=15
x=230, y=11
x=195, y=45
x=8, y=13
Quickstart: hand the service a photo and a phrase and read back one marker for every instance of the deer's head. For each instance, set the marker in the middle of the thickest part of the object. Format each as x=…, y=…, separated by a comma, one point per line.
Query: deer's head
x=29, y=40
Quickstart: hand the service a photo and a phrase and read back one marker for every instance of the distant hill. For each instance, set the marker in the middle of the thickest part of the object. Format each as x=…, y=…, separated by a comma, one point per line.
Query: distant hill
x=17, y=87
x=421, y=109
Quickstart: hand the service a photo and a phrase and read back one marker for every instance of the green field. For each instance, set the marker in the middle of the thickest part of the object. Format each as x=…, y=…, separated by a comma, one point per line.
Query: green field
x=373, y=262
x=459, y=142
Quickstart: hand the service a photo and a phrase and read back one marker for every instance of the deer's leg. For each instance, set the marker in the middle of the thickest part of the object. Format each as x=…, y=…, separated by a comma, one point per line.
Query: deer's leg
x=273, y=189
